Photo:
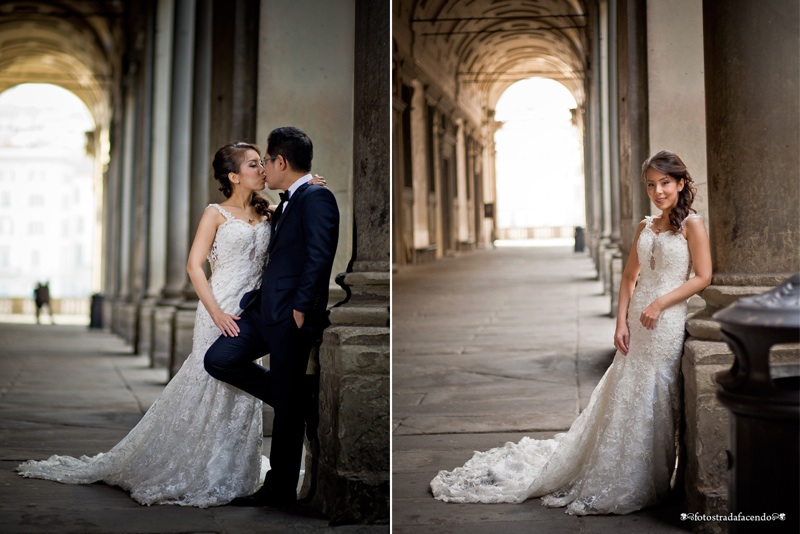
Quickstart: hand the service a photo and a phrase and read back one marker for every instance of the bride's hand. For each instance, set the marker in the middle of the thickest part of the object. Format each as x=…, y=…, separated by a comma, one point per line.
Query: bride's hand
x=226, y=323
x=621, y=338
x=651, y=314
x=318, y=180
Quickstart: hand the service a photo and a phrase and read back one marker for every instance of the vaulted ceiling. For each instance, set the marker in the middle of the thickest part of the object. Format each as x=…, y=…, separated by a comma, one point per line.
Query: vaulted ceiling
x=490, y=44
x=66, y=43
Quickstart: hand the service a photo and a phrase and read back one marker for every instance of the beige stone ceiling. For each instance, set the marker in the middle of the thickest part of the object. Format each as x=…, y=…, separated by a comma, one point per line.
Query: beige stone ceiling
x=490, y=44
x=66, y=43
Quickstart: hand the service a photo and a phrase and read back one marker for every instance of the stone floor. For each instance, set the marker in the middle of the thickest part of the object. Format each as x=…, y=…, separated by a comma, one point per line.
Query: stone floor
x=65, y=389
x=486, y=348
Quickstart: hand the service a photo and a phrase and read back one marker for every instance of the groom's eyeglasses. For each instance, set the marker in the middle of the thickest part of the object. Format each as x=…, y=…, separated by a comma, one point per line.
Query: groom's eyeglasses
x=265, y=159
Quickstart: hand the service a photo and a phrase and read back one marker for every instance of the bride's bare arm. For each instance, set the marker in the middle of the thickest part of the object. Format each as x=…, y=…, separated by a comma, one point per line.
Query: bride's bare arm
x=700, y=250
x=201, y=246
x=628, y=282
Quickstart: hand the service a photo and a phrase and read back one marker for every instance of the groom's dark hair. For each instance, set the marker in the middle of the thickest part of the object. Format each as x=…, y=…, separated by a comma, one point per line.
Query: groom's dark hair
x=294, y=145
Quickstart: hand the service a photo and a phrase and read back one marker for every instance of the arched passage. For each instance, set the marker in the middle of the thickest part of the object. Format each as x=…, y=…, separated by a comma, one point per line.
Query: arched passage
x=540, y=185
x=47, y=195
x=69, y=45
x=452, y=62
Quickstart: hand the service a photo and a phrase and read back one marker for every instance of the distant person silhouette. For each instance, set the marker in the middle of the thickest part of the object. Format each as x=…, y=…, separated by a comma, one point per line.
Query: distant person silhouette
x=41, y=295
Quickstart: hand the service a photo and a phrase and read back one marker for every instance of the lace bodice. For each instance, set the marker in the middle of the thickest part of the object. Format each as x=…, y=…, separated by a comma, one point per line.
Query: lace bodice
x=200, y=443
x=619, y=454
x=664, y=258
x=237, y=261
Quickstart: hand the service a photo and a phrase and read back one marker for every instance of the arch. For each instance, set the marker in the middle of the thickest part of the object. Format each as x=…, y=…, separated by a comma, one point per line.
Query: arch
x=488, y=48
x=540, y=179
x=72, y=44
x=62, y=43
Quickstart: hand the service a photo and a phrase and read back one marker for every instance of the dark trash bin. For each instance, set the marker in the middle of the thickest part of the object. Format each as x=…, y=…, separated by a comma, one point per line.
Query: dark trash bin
x=579, y=239
x=764, y=440
x=96, y=311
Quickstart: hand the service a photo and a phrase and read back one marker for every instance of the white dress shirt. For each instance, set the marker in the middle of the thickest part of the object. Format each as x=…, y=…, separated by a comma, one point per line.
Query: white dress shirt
x=292, y=188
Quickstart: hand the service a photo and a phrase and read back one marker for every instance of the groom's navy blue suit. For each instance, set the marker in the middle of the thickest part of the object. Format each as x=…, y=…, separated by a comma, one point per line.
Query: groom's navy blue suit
x=296, y=277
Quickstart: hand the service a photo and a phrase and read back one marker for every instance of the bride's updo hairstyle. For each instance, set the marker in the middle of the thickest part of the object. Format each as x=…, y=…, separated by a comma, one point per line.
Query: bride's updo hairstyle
x=670, y=164
x=229, y=159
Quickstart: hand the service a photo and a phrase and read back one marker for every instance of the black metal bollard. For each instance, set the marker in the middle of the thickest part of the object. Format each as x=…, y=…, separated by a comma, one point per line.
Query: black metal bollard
x=580, y=240
x=764, y=441
x=96, y=311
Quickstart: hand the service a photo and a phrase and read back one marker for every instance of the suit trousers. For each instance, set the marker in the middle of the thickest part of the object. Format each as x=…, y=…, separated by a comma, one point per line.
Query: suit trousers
x=231, y=360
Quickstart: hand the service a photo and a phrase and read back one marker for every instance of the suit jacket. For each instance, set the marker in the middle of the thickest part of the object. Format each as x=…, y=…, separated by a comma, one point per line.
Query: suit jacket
x=300, y=259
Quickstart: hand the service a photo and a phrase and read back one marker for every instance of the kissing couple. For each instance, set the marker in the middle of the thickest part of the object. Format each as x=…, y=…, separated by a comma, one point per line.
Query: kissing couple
x=200, y=443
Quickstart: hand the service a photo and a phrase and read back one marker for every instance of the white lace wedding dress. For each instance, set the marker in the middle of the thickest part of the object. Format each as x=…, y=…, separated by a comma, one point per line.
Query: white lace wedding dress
x=619, y=454
x=200, y=443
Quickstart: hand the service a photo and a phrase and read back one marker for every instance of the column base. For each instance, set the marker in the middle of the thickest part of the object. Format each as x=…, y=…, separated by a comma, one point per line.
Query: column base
x=144, y=344
x=352, y=478
x=162, y=336
x=706, y=435
x=183, y=324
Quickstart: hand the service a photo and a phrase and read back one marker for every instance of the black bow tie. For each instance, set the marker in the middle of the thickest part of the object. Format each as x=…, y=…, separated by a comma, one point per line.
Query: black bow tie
x=284, y=196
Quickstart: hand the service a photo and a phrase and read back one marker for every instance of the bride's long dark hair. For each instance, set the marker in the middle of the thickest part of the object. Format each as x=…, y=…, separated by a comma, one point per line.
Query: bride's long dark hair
x=670, y=164
x=229, y=159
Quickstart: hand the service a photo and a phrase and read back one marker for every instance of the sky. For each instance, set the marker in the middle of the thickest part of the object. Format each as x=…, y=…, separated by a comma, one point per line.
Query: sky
x=43, y=115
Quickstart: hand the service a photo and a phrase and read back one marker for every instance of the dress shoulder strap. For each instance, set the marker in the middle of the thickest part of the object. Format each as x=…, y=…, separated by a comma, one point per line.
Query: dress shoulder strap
x=222, y=210
x=648, y=221
x=691, y=216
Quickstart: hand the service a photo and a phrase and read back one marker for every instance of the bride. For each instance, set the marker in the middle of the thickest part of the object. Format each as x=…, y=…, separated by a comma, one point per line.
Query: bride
x=619, y=454
x=216, y=427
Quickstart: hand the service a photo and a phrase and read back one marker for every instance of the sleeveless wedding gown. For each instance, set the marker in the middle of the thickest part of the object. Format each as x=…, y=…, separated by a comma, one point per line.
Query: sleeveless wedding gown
x=619, y=454
x=200, y=443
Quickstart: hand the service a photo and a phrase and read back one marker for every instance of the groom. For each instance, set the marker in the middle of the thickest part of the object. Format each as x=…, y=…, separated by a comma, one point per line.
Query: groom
x=287, y=313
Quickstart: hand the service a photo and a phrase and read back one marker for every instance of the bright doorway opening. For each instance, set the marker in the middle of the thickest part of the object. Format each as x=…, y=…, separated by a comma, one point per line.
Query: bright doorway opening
x=48, y=209
x=540, y=180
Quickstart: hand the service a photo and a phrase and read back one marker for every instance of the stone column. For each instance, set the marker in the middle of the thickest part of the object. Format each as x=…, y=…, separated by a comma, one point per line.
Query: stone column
x=142, y=144
x=489, y=180
x=476, y=159
x=592, y=136
x=353, y=471
x=752, y=110
x=461, y=183
x=178, y=165
x=398, y=108
x=199, y=175
x=437, y=181
x=604, y=126
x=159, y=178
x=613, y=160
x=613, y=120
x=609, y=250
x=234, y=69
x=633, y=113
x=419, y=165
x=121, y=321
x=112, y=212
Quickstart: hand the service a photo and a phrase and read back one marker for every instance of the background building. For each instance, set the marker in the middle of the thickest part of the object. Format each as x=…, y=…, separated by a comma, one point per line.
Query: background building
x=46, y=197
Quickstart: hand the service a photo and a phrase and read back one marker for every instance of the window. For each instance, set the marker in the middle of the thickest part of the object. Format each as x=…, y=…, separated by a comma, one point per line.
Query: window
x=36, y=200
x=35, y=228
